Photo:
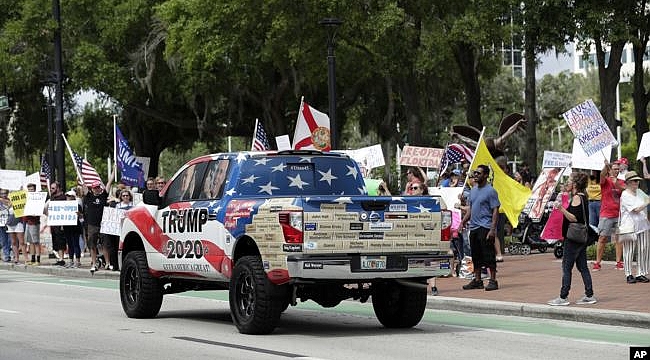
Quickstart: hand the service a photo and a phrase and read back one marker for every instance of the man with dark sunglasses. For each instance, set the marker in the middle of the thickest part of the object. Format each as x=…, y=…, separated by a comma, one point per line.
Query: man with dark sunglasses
x=482, y=218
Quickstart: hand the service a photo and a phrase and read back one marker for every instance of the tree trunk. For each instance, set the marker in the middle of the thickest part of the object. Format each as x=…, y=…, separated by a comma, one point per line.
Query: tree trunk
x=467, y=59
x=530, y=107
x=639, y=94
x=609, y=76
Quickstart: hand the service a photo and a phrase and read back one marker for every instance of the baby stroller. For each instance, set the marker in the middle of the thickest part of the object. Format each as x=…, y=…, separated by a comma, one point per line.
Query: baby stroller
x=528, y=232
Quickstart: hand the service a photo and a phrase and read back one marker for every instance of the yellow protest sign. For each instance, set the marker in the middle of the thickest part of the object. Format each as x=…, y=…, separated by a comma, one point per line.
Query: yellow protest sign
x=18, y=201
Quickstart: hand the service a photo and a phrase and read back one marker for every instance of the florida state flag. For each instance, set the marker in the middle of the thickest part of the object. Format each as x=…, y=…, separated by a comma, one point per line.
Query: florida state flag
x=312, y=129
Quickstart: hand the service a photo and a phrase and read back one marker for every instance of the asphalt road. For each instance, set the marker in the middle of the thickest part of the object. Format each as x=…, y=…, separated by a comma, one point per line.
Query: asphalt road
x=51, y=317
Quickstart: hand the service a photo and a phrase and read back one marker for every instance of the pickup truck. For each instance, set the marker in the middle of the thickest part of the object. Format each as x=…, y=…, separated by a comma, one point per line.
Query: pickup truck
x=273, y=228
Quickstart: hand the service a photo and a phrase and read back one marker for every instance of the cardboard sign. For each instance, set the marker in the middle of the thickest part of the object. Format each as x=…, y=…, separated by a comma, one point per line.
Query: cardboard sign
x=367, y=158
x=589, y=127
x=35, y=203
x=556, y=159
x=112, y=221
x=12, y=179
x=283, y=142
x=62, y=213
x=644, y=147
x=35, y=179
x=580, y=160
x=542, y=190
x=421, y=156
x=18, y=200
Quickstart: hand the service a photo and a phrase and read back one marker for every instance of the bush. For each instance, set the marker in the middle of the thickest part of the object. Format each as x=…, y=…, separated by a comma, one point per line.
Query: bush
x=608, y=255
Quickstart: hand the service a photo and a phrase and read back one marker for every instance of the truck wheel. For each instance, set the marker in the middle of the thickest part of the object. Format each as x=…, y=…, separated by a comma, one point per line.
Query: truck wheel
x=255, y=303
x=141, y=293
x=397, y=305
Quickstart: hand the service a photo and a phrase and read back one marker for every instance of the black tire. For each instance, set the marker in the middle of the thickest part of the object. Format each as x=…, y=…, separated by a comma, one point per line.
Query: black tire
x=255, y=303
x=558, y=251
x=397, y=305
x=525, y=249
x=141, y=293
x=542, y=248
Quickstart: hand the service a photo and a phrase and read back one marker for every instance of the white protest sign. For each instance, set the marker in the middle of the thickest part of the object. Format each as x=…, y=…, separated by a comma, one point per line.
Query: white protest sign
x=12, y=179
x=589, y=127
x=35, y=179
x=35, y=203
x=137, y=198
x=421, y=156
x=556, y=159
x=368, y=157
x=283, y=142
x=448, y=194
x=644, y=147
x=112, y=221
x=145, y=161
x=580, y=160
x=62, y=213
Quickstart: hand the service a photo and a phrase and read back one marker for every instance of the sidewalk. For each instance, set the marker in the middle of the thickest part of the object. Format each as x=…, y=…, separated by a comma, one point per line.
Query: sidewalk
x=526, y=283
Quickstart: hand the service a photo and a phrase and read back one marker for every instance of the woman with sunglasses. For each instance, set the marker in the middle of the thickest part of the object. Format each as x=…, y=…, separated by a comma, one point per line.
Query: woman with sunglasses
x=414, y=176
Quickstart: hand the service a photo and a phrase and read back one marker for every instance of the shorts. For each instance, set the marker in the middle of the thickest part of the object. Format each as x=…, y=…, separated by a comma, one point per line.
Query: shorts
x=58, y=241
x=93, y=237
x=18, y=228
x=32, y=234
x=483, y=252
x=607, y=226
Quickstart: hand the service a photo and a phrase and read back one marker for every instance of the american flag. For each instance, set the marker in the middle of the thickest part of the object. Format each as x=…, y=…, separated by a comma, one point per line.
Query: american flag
x=46, y=172
x=260, y=140
x=455, y=153
x=88, y=172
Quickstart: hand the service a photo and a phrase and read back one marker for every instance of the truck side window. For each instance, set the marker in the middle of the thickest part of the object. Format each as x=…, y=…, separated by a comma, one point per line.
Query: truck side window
x=184, y=186
x=214, y=179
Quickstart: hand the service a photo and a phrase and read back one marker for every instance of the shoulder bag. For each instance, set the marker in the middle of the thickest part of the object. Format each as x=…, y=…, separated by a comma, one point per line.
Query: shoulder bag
x=577, y=232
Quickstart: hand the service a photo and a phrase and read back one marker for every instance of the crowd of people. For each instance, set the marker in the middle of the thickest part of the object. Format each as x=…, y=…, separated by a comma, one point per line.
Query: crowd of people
x=20, y=236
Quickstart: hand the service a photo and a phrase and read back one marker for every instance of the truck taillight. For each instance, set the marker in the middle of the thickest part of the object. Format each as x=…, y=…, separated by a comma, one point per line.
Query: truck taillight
x=445, y=225
x=291, y=222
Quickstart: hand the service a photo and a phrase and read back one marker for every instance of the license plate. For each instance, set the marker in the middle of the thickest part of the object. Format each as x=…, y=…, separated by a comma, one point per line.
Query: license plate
x=373, y=263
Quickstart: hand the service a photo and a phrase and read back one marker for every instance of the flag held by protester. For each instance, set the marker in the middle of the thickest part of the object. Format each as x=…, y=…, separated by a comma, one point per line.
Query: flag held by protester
x=455, y=153
x=512, y=195
x=312, y=130
x=45, y=172
x=131, y=170
x=260, y=139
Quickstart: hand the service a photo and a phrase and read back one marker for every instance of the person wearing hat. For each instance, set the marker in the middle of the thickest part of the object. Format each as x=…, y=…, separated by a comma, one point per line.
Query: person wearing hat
x=93, y=208
x=623, y=167
x=58, y=237
x=72, y=233
x=633, y=228
x=453, y=179
x=610, y=204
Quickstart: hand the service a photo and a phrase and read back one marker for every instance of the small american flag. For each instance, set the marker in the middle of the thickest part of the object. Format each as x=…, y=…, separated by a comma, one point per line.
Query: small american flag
x=46, y=171
x=88, y=172
x=455, y=153
x=260, y=140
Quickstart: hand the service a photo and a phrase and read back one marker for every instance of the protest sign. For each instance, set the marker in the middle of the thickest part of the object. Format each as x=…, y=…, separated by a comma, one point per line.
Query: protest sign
x=367, y=158
x=12, y=179
x=137, y=198
x=644, y=147
x=283, y=142
x=542, y=190
x=589, y=127
x=35, y=179
x=580, y=160
x=556, y=159
x=62, y=213
x=112, y=221
x=421, y=156
x=35, y=203
x=18, y=200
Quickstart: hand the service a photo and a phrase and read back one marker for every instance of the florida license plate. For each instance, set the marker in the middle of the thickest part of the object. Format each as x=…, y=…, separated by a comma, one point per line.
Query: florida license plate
x=373, y=262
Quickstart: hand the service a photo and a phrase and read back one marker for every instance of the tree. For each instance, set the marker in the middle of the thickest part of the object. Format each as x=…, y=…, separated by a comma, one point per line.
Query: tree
x=641, y=97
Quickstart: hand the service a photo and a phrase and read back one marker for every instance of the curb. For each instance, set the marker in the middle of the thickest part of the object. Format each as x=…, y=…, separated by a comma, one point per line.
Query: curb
x=61, y=271
x=568, y=313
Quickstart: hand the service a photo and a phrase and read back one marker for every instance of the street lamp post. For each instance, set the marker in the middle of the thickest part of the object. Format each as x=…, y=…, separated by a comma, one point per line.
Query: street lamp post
x=58, y=70
x=331, y=24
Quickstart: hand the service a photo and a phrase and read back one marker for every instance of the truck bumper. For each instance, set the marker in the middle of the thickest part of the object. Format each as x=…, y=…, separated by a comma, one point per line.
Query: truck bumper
x=360, y=267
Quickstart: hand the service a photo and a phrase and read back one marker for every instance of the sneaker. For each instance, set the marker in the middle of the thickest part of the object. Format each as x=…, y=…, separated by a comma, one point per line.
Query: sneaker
x=59, y=263
x=558, y=302
x=492, y=285
x=586, y=300
x=642, y=279
x=37, y=263
x=596, y=267
x=75, y=265
x=93, y=269
x=619, y=265
x=474, y=284
x=630, y=279
x=109, y=267
x=499, y=258
x=434, y=291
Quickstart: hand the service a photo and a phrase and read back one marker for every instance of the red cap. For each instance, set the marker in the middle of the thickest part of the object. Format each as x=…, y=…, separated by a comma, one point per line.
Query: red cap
x=95, y=184
x=622, y=161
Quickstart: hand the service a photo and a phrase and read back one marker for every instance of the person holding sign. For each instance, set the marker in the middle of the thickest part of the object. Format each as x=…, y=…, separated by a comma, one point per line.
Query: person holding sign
x=16, y=228
x=72, y=233
x=5, y=205
x=58, y=237
x=610, y=203
x=32, y=233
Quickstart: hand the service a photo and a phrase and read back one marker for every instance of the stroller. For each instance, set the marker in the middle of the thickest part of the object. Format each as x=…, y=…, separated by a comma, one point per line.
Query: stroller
x=528, y=232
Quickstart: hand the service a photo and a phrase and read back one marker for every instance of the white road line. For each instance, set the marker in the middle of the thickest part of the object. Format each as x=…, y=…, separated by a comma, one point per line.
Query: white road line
x=9, y=311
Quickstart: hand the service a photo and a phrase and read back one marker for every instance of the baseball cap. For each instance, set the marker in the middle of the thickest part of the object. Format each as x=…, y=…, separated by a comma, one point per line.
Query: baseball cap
x=456, y=172
x=622, y=161
x=71, y=193
x=95, y=184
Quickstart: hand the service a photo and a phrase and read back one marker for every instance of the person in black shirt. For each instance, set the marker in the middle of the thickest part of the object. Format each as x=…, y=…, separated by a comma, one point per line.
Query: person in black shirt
x=93, y=205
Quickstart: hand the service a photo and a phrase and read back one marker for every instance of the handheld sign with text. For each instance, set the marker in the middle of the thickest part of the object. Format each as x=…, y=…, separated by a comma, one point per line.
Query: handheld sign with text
x=18, y=200
x=62, y=213
x=35, y=203
x=589, y=127
x=112, y=221
x=421, y=156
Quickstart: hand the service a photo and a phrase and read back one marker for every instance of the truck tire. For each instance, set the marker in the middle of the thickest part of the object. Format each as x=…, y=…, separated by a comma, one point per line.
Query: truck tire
x=141, y=293
x=397, y=305
x=255, y=303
